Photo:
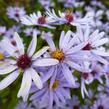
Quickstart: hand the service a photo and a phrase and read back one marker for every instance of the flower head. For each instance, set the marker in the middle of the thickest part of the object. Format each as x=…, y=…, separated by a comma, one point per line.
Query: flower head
x=67, y=54
x=25, y=62
x=15, y=13
x=37, y=19
x=69, y=17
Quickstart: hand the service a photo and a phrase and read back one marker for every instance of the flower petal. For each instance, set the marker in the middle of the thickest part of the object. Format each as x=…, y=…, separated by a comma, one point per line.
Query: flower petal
x=76, y=48
x=32, y=46
x=61, y=39
x=48, y=75
x=50, y=42
x=36, y=78
x=68, y=75
x=25, y=86
x=100, y=52
x=9, y=79
x=74, y=65
x=7, y=69
x=45, y=62
x=40, y=52
x=66, y=39
x=100, y=42
x=19, y=43
x=7, y=46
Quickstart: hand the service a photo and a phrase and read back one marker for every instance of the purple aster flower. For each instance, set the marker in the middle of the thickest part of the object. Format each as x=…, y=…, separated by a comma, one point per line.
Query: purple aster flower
x=73, y=3
x=10, y=32
x=24, y=105
x=55, y=91
x=2, y=30
x=94, y=41
x=101, y=102
x=69, y=18
x=67, y=54
x=23, y=62
x=37, y=19
x=15, y=13
x=46, y=3
x=92, y=71
x=30, y=31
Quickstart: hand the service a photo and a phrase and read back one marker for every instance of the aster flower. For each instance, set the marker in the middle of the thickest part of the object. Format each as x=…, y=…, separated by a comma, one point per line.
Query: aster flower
x=24, y=105
x=46, y=4
x=67, y=54
x=98, y=4
x=44, y=34
x=20, y=61
x=2, y=30
x=94, y=41
x=92, y=71
x=10, y=32
x=36, y=19
x=69, y=17
x=101, y=102
x=97, y=22
x=73, y=3
x=73, y=103
x=97, y=71
x=86, y=77
x=56, y=90
x=15, y=13
x=30, y=31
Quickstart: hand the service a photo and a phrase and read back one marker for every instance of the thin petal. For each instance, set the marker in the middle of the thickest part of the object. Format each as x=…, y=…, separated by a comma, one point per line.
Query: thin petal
x=86, y=34
x=45, y=62
x=51, y=100
x=68, y=75
x=50, y=42
x=96, y=36
x=36, y=78
x=101, y=53
x=32, y=46
x=77, y=48
x=7, y=70
x=48, y=75
x=25, y=86
x=19, y=43
x=100, y=42
x=8, y=80
x=61, y=39
x=80, y=33
x=40, y=52
x=66, y=39
x=74, y=65
x=7, y=46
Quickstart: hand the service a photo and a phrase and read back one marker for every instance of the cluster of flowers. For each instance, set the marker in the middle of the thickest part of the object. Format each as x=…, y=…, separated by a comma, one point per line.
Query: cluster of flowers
x=53, y=73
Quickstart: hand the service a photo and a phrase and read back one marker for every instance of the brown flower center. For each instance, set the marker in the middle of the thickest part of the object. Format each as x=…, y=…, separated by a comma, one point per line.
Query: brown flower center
x=100, y=107
x=24, y=61
x=87, y=47
x=16, y=14
x=75, y=107
x=69, y=16
x=85, y=75
x=41, y=20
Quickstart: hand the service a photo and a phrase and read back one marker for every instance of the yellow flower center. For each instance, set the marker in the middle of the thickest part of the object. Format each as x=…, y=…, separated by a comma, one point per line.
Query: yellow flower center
x=1, y=56
x=55, y=84
x=58, y=54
